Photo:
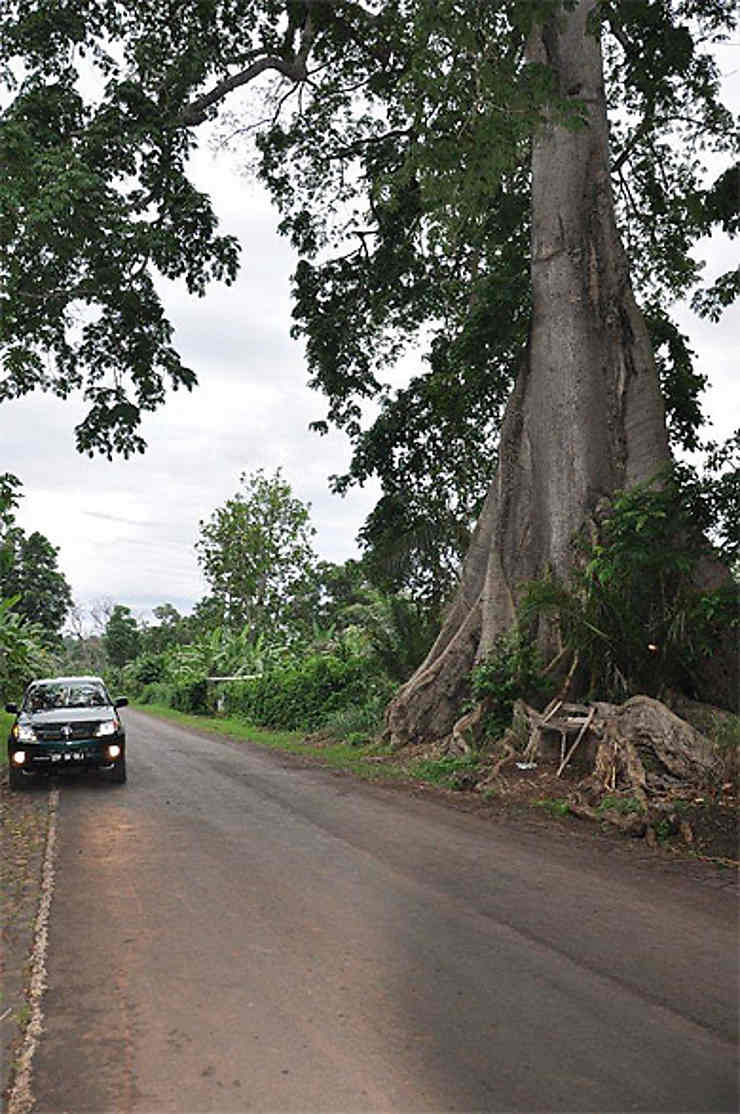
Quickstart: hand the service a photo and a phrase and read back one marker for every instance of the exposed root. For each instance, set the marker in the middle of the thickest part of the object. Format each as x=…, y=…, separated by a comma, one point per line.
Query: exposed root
x=466, y=730
x=634, y=823
x=654, y=821
x=640, y=748
x=425, y=708
x=493, y=774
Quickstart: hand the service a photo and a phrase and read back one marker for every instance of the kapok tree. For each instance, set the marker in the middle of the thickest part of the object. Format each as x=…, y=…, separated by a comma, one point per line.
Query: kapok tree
x=586, y=417
x=406, y=147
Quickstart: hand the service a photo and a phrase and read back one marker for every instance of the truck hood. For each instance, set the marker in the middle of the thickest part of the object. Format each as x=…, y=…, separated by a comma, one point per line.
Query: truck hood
x=67, y=715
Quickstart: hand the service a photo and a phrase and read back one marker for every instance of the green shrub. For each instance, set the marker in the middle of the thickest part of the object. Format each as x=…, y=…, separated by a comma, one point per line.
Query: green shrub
x=357, y=738
x=161, y=692
x=6, y=722
x=192, y=696
x=362, y=721
x=301, y=695
x=631, y=611
x=402, y=635
x=556, y=806
x=623, y=805
x=147, y=668
x=448, y=770
x=23, y=655
x=512, y=670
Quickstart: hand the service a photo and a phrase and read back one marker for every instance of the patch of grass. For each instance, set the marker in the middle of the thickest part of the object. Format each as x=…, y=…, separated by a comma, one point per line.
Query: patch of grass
x=681, y=806
x=358, y=739
x=346, y=756
x=664, y=829
x=235, y=726
x=623, y=805
x=6, y=722
x=340, y=756
x=443, y=771
x=556, y=806
x=725, y=732
x=359, y=723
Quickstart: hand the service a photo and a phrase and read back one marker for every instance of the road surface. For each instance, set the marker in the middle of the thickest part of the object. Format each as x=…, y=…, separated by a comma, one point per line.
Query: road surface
x=232, y=932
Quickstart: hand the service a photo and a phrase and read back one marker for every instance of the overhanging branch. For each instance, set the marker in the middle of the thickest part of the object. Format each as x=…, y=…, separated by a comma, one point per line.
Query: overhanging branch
x=294, y=69
x=197, y=112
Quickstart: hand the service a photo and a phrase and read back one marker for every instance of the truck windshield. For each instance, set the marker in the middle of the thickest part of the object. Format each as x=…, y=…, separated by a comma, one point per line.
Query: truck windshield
x=84, y=694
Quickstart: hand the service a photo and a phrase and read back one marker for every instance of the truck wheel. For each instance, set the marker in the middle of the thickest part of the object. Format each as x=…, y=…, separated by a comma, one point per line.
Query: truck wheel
x=16, y=779
x=118, y=773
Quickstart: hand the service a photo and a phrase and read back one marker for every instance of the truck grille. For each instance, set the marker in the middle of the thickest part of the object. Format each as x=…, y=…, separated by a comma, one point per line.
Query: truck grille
x=66, y=732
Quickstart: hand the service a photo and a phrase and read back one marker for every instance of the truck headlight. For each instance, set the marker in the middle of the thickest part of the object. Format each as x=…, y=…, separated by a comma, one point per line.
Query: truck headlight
x=114, y=751
x=24, y=733
x=107, y=727
x=18, y=757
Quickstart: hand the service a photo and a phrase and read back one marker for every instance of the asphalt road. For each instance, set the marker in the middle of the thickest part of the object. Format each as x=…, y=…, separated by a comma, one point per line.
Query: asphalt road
x=232, y=932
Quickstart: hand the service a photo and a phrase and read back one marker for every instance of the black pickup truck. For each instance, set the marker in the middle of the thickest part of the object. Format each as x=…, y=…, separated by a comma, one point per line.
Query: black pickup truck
x=66, y=723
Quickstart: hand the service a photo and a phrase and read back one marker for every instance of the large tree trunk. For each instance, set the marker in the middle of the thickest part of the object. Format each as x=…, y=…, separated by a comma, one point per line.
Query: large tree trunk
x=586, y=416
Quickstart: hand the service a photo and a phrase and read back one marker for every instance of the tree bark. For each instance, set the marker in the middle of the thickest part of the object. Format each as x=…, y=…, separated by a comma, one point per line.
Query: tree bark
x=586, y=416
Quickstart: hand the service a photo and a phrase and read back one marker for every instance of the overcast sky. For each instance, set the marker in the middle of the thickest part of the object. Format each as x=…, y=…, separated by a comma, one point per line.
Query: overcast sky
x=126, y=529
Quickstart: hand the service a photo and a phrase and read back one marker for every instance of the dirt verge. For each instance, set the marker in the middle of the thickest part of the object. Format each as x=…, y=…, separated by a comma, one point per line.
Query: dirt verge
x=698, y=827
x=25, y=819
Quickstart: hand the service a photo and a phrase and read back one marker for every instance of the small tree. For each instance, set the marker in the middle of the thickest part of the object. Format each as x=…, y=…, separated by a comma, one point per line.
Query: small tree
x=121, y=636
x=33, y=575
x=170, y=630
x=23, y=654
x=256, y=553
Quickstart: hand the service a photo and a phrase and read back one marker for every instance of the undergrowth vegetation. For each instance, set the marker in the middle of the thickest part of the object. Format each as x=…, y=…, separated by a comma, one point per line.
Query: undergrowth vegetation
x=634, y=612
x=512, y=670
x=6, y=722
x=337, y=679
x=632, y=620
x=448, y=770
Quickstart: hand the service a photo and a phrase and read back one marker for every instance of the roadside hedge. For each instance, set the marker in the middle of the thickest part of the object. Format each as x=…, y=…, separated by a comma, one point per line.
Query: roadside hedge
x=300, y=696
x=187, y=696
x=305, y=694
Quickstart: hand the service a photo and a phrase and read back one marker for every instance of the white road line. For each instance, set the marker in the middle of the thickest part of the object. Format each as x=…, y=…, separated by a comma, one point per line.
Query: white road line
x=21, y=1096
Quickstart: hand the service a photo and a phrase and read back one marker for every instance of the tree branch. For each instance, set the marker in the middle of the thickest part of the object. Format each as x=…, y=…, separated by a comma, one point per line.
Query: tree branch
x=639, y=133
x=295, y=70
x=197, y=112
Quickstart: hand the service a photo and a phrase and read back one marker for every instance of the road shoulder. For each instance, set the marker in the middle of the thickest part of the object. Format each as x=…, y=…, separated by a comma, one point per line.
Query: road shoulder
x=521, y=809
x=25, y=822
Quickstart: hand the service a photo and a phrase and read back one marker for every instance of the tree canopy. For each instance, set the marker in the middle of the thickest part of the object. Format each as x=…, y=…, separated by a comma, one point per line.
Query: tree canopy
x=394, y=139
x=34, y=575
x=121, y=636
x=427, y=175
x=29, y=573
